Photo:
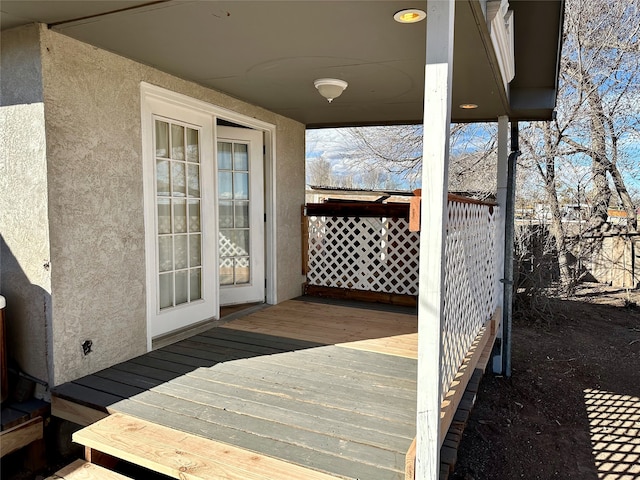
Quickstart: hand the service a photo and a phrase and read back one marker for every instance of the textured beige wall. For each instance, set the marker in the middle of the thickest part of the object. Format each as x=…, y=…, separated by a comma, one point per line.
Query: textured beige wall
x=290, y=179
x=92, y=107
x=21, y=80
x=25, y=279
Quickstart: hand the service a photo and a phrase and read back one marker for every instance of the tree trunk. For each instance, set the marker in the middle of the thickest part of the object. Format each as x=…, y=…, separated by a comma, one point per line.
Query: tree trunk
x=556, y=228
x=600, y=162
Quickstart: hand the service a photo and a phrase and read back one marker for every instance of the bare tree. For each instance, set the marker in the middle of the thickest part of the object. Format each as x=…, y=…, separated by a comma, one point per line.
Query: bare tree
x=541, y=147
x=598, y=112
x=600, y=89
x=397, y=150
x=320, y=172
x=474, y=173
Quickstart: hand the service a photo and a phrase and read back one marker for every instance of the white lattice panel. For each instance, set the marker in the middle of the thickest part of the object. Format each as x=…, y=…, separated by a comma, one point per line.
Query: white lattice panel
x=228, y=250
x=471, y=280
x=381, y=255
x=372, y=254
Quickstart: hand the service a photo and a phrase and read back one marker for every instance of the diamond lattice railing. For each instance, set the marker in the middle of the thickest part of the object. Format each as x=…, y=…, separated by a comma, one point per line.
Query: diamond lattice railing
x=380, y=254
x=372, y=254
x=471, y=280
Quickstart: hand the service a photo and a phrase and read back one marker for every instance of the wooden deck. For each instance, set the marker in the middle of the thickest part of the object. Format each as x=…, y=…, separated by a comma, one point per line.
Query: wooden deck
x=326, y=387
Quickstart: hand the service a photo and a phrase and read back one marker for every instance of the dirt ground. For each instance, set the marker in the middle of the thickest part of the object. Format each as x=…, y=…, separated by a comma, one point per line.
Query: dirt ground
x=571, y=408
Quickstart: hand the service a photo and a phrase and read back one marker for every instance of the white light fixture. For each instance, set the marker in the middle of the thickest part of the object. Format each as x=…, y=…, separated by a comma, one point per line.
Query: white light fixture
x=330, y=88
x=468, y=106
x=410, y=15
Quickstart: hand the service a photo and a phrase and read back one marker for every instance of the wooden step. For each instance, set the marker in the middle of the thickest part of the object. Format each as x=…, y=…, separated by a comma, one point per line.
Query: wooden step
x=182, y=455
x=21, y=435
x=81, y=470
x=15, y=413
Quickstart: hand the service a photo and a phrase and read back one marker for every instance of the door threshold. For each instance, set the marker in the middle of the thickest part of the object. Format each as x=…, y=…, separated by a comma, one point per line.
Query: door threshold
x=231, y=312
x=183, y=334
x=227, y=314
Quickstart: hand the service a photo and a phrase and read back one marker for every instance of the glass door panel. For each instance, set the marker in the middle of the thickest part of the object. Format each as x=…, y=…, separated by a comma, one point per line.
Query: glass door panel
x=240, y=215
x=233, y=193
x=178, y=219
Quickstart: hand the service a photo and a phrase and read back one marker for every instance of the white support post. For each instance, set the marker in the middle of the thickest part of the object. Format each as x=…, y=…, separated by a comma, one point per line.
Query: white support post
x=502, y=178
x=435, y=171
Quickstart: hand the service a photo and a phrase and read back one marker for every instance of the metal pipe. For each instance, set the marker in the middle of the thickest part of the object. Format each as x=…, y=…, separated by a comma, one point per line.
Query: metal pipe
x=509, y=230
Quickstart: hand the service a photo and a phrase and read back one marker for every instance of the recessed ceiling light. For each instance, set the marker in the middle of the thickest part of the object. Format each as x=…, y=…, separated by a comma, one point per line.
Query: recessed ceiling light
x=468, y=106
x=410, y=15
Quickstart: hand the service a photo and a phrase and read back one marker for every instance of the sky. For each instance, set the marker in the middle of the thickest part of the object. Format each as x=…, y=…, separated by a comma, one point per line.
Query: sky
x=331, y=145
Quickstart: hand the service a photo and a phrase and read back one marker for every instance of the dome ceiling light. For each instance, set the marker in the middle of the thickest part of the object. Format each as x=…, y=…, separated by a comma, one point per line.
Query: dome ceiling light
x=330, y=88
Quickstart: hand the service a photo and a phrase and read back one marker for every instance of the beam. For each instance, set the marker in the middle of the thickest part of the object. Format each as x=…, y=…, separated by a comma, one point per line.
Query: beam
x=435, y=171
x=74, y=412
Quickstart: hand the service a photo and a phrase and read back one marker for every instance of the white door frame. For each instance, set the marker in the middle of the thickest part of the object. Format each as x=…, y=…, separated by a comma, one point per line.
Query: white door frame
x=150, y=93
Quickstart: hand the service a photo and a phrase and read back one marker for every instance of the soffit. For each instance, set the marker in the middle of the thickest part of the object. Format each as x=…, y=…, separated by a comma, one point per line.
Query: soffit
x=269, y=52
x=537, y=45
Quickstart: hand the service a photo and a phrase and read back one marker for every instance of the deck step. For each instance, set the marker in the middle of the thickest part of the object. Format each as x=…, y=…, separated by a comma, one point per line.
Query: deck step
x=81, y=470
x=21, y=435
x=180, y=455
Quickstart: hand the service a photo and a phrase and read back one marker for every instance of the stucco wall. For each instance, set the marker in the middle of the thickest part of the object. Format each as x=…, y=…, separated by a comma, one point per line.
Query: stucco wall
x=290, y=191
x=92, y=107
x=21, y=81
x=25, y=279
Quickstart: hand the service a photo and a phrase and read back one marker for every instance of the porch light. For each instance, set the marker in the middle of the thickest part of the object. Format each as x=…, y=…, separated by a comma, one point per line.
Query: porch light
x=410, y=15
x=468, y=106
x=330, y=88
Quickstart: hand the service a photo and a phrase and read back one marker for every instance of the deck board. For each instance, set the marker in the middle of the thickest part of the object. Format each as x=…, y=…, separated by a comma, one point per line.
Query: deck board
x=196, y=350
x=291, y=373
x=312, y=418
x=87, y=396
x=133, y=367
x=330, y=388
x=128, y=378
x=360, y=397
x=262, y=431
x=341, y=372
x=295, y=454
x=230, y=346
x=181, y=358
x=109, y=386
x=230, y=393
x=285, y=344
x=376, y=330
x=183, y=455
x=369, y=362
x=162, y=365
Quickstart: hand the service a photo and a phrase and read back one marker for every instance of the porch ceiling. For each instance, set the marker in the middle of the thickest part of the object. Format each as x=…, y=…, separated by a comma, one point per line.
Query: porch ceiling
x=269, y=52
